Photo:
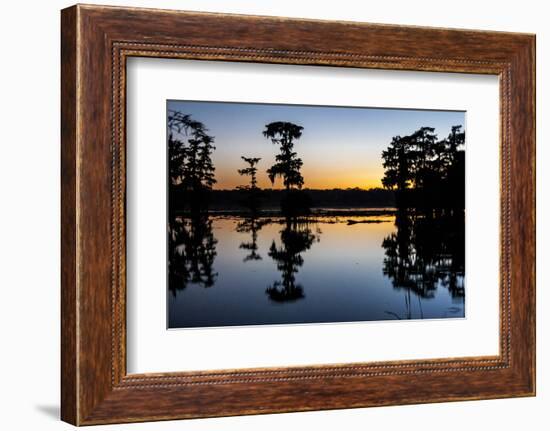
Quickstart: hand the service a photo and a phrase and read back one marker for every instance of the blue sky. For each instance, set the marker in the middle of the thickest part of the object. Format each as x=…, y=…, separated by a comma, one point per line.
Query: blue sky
x=340, y=146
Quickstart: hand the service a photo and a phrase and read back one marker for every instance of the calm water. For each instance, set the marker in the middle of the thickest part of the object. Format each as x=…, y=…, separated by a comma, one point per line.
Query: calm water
x=230, y=270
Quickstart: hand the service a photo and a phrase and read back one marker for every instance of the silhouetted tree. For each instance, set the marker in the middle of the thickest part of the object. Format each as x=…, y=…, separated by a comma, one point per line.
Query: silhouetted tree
x=252, y=200
x=455, y=168
x=454, y=142
x=423, y=141
x=251, y=171
x=190, y=163
x=288, y=164
x=426, y=172
x=398, y=165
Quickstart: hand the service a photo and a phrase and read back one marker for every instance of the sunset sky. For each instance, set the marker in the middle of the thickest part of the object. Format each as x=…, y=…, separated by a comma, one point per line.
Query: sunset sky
x=340, y=147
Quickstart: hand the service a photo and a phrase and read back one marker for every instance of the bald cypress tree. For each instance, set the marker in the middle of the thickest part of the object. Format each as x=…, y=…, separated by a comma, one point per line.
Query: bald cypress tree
x=287, y=166
x=287, y=163
x=190, y=149
x=253, y=195
x=251, y=171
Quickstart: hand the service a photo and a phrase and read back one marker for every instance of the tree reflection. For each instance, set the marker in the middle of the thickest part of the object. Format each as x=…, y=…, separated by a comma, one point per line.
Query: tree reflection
x=425, y=253
x=252, y=225
x=191, y=252
x=296, y=237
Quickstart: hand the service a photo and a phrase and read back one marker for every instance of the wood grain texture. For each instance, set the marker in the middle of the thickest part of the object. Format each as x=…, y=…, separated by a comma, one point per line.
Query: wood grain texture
x=69, y=397
x=96, y=41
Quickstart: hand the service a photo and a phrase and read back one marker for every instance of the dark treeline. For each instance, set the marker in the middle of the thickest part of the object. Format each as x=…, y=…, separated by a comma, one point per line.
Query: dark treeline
x=421, y=172
x=426, y=172
x=270, y=199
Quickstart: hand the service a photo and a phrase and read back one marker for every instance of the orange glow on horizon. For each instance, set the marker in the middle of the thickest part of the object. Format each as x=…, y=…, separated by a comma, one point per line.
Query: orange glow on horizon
x=313, y=179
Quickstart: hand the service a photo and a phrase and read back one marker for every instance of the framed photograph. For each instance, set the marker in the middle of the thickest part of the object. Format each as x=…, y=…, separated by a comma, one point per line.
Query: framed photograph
x=266, y=215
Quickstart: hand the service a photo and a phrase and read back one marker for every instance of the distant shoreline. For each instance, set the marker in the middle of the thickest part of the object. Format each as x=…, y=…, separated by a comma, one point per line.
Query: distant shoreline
x=315, y=212
x=270, y=199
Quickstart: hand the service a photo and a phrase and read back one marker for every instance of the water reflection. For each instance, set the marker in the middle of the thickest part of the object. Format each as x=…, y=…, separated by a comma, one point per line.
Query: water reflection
x=296, y=238
x=389, y=265
x=251, y=224
x=426, y=252
x=192, y=252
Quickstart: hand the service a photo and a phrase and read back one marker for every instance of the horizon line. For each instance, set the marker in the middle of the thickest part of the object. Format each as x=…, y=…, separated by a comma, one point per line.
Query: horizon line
x=306, y=188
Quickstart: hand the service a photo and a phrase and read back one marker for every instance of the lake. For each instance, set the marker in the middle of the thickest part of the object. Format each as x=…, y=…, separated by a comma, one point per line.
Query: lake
x=228, y=270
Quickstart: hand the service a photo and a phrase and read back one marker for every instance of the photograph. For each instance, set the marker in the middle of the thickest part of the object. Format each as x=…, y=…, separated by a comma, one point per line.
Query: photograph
x=272, y=215
x=284, y=214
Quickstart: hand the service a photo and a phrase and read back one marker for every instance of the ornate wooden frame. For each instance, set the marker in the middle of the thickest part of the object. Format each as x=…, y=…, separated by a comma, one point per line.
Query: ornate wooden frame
x=95, y=42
